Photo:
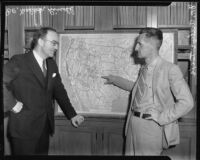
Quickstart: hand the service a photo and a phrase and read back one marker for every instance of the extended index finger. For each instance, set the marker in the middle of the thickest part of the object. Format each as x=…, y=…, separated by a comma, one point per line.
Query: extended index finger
x=105, y=77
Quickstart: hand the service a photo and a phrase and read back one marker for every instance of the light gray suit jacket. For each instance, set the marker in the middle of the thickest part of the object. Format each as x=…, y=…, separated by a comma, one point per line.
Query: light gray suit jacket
x=168, y=82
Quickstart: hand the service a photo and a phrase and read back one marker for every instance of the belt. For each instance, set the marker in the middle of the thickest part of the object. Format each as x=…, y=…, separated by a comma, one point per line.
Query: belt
x=141, y=115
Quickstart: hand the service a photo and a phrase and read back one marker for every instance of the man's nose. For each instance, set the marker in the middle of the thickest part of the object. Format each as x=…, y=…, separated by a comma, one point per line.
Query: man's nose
x=56, y=47
x=136, y=48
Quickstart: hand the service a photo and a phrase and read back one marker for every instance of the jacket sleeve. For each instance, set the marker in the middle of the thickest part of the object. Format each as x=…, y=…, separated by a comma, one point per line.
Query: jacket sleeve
x=183, y=97
x=10, y=72
x=60, y=94
x=123, y=83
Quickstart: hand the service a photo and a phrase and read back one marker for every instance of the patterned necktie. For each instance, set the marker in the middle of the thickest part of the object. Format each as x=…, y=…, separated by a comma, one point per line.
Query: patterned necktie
x=44, y=68
x=140, y=87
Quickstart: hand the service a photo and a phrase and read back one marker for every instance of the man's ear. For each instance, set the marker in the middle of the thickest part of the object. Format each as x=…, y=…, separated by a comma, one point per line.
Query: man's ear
x=40, y=42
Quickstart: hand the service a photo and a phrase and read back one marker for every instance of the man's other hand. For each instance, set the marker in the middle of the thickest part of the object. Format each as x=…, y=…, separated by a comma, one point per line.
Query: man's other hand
x=77, y=120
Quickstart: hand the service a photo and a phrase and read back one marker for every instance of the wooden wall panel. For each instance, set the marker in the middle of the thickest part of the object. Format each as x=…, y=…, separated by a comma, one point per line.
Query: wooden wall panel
x=71, y=142
x=114, y=137
x=58, y=18
x=130, y=16
x=81, y=17
x=37, y=16
x=15, y=33
x=174, y=15
x=103, y=18
x=6, y=21
x=152, y=17
x=105, y=136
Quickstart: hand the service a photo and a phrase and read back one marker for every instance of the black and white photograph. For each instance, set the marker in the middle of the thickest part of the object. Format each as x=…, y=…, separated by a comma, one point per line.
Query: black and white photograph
x=94, y=79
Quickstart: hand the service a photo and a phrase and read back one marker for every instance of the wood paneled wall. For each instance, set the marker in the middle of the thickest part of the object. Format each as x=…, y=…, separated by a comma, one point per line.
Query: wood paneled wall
x=134, y=16
x=15, y=34
x=103, y=18
x=178, y=14
x=116, y=16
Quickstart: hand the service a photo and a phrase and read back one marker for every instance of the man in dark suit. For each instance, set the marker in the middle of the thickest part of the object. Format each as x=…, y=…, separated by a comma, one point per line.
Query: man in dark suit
x=32, y=82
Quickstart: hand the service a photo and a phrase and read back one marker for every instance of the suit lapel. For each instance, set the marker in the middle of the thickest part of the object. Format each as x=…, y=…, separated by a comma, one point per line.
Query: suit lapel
x=34, y=66
x=156, y=75
x=49, y=69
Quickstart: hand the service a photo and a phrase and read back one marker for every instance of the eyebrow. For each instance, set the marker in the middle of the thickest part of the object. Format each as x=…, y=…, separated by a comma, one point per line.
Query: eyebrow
x=55, y=41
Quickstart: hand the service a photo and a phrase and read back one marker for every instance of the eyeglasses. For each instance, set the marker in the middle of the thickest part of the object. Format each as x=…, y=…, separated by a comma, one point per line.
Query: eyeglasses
x=54, y=43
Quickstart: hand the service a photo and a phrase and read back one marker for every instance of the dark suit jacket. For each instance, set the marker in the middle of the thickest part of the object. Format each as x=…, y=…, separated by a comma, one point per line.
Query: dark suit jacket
x=23, y=80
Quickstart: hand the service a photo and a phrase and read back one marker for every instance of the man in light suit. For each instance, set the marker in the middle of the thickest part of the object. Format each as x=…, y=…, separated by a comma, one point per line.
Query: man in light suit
x=31, y=82
x=160, y=96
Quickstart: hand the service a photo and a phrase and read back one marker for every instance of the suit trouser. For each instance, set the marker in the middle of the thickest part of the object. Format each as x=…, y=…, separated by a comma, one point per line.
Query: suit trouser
x=36, y=146
x=144, y=137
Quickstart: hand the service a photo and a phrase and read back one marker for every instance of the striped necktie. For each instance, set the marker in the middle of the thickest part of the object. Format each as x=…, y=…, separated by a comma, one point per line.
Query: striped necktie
x=141, y=86
x=44, y=68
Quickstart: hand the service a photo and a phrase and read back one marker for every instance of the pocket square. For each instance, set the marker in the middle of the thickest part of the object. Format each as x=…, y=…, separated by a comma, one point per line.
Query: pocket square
x=53, y=75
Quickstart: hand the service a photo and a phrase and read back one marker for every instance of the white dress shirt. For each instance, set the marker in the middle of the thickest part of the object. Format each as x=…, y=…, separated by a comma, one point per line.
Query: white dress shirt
x=39, y=59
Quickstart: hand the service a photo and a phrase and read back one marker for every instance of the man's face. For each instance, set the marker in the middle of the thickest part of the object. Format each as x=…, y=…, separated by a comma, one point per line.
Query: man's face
x=144, y=47
x=50, y=44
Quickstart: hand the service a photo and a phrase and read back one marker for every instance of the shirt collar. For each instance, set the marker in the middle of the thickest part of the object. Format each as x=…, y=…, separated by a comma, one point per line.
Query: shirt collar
x=38, y=58
x=152, y=64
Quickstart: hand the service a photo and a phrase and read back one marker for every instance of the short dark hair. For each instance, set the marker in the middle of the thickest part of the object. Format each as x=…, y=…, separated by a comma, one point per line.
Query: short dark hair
x=40, y=33
x=153, y=33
